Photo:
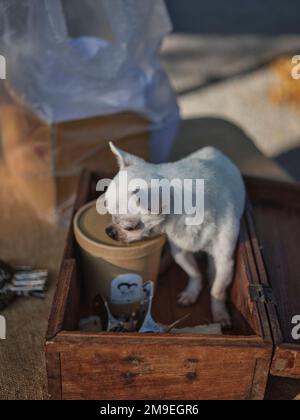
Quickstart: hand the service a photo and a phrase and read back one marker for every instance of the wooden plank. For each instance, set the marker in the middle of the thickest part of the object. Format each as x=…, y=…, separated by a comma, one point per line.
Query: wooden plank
x=70, y=341
x=58, y=310
x=54, y=376
x=279, y=233
x=165, y=308
x=83, y=189
x=271, y=191
x=260, y=379
x=261, y=271
x=286, y=361
x=276, y=210
x=258, y=314
x=148, y=371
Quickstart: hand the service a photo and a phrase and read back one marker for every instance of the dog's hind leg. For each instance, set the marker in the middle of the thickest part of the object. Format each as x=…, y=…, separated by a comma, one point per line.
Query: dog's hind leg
x=224, y=273
x=187, y=261
x=211, y=269
x=223, y=253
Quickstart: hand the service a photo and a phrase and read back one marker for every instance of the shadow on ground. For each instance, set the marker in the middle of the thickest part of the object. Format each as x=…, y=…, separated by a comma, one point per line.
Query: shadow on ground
x=282, y=389
x=290, y=161
x=232, y=140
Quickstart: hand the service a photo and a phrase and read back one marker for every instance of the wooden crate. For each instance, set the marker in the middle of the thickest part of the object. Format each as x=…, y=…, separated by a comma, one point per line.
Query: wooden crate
x=116, y=366
x=276, y=248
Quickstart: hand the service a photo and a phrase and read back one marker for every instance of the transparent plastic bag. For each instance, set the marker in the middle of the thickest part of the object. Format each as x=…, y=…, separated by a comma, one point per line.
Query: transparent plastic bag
x=74, y=69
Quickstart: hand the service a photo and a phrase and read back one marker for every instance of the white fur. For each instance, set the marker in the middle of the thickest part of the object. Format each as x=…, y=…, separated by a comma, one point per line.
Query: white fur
x=217, y=235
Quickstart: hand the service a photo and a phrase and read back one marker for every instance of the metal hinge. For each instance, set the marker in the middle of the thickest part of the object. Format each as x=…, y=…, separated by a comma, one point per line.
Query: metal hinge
x=261, y=293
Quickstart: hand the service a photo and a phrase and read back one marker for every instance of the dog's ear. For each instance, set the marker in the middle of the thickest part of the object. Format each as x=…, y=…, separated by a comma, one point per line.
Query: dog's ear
x=124, y=159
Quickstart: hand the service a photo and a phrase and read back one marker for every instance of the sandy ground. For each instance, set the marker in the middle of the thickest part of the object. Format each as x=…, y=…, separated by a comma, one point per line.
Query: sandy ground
x=231, y=78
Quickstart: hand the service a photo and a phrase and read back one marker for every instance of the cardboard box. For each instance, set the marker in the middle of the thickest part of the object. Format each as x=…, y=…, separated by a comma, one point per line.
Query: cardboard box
x=46, y=159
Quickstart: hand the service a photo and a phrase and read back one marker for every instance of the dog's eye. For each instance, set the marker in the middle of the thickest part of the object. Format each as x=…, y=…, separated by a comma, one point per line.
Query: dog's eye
x=136, y=227
x=129, y=228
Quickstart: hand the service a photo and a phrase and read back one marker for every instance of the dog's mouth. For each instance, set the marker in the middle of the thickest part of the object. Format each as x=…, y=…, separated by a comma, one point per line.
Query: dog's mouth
x=125, y=235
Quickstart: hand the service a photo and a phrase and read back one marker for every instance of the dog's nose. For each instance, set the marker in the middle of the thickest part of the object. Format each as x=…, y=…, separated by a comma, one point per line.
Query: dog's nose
x=110, y=232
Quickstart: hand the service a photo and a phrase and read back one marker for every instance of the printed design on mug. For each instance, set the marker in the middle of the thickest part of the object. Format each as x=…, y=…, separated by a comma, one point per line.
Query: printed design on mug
x=126, y=288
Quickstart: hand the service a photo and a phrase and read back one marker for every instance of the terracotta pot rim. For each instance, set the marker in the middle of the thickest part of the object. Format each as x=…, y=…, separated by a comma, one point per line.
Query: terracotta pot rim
x=135, y=250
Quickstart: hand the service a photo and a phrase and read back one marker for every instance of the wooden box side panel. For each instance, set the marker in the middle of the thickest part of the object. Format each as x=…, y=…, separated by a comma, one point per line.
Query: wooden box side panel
x=177, y=372
x=262, y=274
x=241, y=307
x=65, y=301
x=286, y=361
x=53, y=365
x=248, y=315
x=275, y=215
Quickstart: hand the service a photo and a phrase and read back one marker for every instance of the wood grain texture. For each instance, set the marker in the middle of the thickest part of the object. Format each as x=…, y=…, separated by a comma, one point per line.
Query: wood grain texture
x=286, y=361
x=260, y=379
x=276, y=210
x=70, y=341
x=261, y=272
x=273, y=192
x=279, y=232
x=58, y=313
x=161, y=372
x=53, y=366
x=83, y=189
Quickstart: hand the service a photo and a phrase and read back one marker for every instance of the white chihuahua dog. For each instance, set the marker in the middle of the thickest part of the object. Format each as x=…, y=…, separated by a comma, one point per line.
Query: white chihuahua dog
x=224, y=201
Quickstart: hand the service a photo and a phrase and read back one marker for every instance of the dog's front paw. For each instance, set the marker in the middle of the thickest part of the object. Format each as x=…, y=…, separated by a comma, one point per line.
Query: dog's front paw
x=220, y=313
x=191, y=293
x=187, y=298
